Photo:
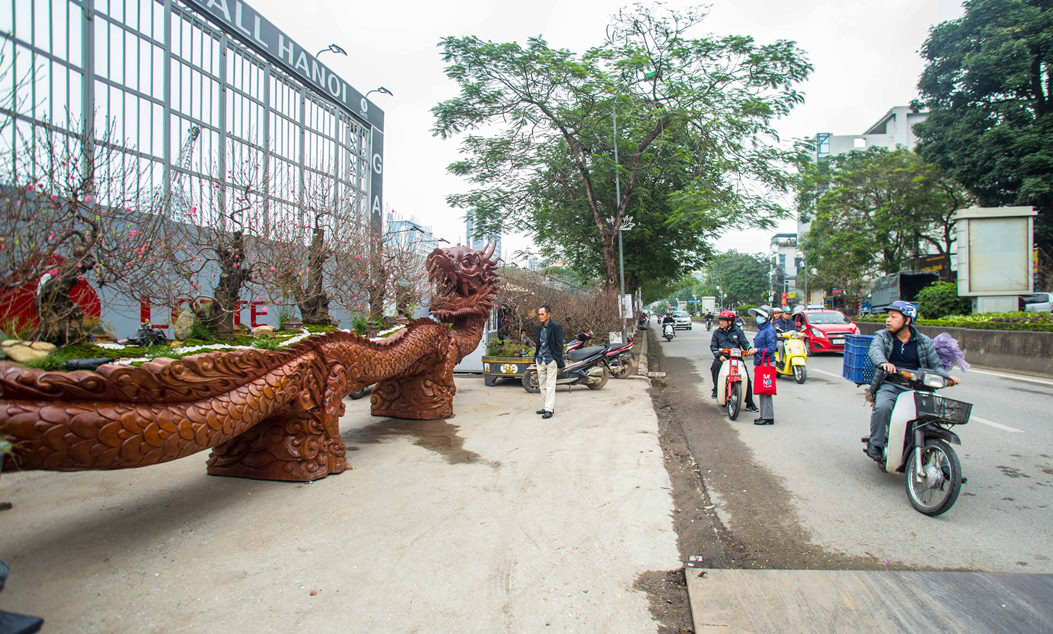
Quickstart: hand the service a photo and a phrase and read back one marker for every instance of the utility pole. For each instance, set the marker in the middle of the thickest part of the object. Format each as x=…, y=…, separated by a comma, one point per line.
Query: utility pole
x=621, y=253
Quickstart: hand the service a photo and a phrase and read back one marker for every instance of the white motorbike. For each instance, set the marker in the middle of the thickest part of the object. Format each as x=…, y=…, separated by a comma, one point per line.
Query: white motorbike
x=668, y=331
x=733, y=381
x=919, y=439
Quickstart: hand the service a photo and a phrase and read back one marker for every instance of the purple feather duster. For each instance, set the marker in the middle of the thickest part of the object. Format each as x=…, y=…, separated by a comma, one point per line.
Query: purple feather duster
x=949, y=352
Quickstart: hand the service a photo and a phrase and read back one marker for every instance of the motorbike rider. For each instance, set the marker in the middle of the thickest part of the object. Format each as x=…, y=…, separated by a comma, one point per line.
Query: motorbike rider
x=709, y=319
x=782, y=323
x=899, y=347
x=728, y=335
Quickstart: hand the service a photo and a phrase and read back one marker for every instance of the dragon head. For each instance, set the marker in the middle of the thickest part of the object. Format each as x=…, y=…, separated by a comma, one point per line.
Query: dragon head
x=464, y=284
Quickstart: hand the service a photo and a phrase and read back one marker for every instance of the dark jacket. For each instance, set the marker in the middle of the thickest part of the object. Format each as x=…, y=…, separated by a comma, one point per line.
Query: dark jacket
x=555, y=342
x=765, y=340
x=731, y=338
x=784, y=325
x=881, y=348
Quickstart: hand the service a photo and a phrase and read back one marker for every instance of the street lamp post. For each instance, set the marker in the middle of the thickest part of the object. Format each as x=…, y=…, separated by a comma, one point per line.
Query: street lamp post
x=621, y=252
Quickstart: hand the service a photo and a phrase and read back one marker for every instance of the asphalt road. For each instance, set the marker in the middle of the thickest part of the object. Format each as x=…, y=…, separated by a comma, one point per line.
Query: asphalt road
x=1003, y=520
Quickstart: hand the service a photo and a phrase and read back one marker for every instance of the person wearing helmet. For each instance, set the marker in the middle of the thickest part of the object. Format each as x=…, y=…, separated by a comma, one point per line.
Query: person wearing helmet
x=782, y=323
x=728, y=335
x=898, y=346
x=763, y=352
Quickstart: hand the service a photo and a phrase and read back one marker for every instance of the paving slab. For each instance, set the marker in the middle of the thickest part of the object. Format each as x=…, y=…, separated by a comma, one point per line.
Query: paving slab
x=868, y=601
x=494, y=520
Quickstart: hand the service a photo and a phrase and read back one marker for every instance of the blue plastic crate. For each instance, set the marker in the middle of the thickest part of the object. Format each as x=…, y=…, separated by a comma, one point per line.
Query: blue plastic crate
x=856, y=366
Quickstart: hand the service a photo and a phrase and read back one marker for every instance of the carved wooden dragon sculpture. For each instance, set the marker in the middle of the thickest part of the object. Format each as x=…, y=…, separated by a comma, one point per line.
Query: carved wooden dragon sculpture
x=267, y=414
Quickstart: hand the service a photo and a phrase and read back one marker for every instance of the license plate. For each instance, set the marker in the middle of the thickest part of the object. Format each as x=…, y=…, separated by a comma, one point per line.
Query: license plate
x=838, y=341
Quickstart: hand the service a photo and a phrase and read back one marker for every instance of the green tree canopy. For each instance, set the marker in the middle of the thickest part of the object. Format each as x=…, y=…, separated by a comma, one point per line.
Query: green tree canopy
x=872, y=212
x=737, y=278
x=694, y=137
x=989, y=87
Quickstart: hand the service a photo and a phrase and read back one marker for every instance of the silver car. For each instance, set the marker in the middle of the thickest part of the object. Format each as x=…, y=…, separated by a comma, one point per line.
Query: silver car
x=681, y=320
x=1038, y=303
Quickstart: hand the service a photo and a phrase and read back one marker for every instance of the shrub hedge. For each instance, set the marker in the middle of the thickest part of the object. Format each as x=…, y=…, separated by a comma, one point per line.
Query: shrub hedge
x=1036, y=322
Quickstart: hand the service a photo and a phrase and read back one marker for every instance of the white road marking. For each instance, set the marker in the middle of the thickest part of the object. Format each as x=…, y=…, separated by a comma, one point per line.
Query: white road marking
x=991, y=423
x=978, y=419
x=1015, y=377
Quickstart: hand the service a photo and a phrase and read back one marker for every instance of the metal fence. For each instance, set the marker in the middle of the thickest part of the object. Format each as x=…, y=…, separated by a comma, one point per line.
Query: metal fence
x=188, y=94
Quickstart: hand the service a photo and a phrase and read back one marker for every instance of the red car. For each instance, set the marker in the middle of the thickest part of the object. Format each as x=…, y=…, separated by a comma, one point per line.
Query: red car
x=825, y=329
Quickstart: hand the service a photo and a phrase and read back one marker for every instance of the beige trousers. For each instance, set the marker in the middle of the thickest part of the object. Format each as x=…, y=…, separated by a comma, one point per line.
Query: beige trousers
x=546, y=379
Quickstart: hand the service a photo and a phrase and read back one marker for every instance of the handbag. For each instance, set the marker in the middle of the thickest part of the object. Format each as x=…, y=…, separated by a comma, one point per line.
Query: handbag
x=764, y=377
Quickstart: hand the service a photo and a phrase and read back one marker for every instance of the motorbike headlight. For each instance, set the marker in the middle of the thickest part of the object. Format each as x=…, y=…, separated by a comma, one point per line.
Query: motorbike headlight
x=934, y=380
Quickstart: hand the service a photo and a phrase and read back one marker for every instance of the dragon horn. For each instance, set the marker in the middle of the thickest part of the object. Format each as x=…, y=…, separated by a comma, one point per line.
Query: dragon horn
x=489, y=249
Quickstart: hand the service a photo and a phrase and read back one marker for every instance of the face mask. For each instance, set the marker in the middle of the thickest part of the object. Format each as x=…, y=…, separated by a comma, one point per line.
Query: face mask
x=760, y=320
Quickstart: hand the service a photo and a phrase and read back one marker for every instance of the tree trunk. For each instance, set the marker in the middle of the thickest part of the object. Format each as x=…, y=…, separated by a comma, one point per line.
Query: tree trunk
x=313, y=301
x=61, y=320
x=233, y=275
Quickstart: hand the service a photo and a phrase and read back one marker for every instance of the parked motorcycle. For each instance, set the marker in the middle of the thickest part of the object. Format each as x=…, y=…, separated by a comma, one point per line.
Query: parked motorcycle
x=584, y=366
x=732, y=382
x=919, y=439
x=794, y=356
x=668, y=331
x=620, y=358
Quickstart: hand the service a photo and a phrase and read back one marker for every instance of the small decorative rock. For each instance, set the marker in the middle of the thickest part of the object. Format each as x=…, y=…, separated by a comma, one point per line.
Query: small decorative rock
x=263, y=331
x=26, y=351
x=184, y=323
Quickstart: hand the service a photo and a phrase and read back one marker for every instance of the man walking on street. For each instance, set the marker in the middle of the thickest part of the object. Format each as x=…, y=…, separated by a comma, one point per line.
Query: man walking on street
x=548, y=358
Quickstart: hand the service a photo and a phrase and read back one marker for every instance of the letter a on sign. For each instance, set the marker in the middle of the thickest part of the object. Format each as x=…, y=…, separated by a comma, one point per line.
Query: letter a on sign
x=376, y=204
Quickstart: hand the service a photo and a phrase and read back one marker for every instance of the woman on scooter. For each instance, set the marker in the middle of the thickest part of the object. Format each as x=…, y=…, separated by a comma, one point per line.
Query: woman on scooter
x=763, y=351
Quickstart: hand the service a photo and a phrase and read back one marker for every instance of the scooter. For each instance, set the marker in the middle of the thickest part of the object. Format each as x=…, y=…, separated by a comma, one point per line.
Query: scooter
x=584, y=366
x=732, y=382
x=794, y=356
x=620, y=359
x=709, y=324
x=919, y=441
x=668, y=331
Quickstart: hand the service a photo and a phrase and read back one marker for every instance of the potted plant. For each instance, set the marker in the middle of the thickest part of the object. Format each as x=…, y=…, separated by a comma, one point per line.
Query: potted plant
x=505, y=359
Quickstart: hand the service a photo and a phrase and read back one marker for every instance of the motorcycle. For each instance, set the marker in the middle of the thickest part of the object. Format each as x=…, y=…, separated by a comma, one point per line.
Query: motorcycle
x=584, y=366
x=919, y=439
x=709, y=324
x=668, y=331
x=732, y=382
x=620, y=357
x=791, y=361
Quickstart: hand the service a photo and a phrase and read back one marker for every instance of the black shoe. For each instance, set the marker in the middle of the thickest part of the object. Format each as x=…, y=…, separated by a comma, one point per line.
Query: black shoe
x=713, y=396
x=761, y=421
x=546, y=415
x=872, y=452
x=540, y=411
x=751, y=408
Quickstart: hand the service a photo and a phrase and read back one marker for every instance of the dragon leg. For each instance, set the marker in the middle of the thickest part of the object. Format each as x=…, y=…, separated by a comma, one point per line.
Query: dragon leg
x=297, y=445
x=427, y=395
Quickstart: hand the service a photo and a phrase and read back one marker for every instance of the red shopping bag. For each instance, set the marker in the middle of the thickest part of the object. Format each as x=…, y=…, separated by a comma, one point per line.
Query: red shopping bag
x=764, y=377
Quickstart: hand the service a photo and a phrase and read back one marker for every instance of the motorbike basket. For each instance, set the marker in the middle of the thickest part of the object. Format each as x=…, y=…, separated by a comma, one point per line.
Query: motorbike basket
x=946, y=410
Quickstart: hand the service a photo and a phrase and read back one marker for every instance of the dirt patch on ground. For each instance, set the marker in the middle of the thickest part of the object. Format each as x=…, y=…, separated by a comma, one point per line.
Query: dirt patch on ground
x=667, y=593
x=706, y=460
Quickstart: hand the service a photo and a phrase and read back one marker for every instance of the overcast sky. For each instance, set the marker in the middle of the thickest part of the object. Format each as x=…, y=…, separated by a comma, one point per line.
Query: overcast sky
x=865, y=54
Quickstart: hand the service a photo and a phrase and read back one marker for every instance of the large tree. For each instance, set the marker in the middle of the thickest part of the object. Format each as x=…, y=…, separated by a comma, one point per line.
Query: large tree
x=989, y=87
x=875, y=211
x=707, y=102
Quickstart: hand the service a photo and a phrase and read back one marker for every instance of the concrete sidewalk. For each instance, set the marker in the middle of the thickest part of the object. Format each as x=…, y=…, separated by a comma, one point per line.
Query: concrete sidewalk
x=492, y=521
